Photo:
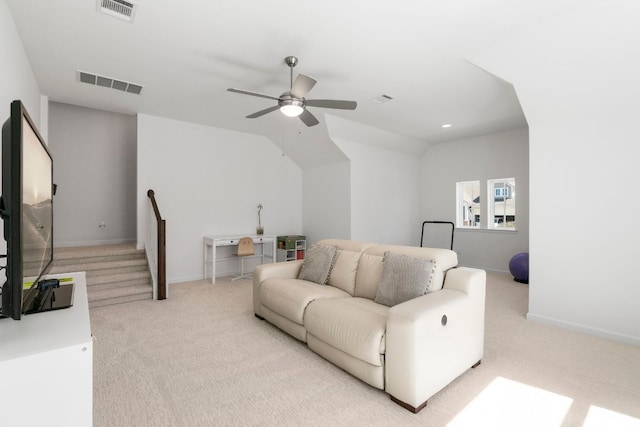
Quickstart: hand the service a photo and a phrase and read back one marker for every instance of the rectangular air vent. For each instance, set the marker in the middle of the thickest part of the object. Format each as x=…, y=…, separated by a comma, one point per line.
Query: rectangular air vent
x=119, y=8
x=103, y=81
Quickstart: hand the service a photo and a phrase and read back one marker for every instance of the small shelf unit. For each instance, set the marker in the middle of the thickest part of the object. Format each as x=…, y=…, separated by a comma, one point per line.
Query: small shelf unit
x=291, y=248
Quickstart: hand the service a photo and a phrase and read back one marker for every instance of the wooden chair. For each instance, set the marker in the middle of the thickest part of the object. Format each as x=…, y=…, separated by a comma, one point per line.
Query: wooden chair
x=245, y=249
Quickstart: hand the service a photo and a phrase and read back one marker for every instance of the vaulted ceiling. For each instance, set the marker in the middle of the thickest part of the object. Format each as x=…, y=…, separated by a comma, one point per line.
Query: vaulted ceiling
x=186, y=54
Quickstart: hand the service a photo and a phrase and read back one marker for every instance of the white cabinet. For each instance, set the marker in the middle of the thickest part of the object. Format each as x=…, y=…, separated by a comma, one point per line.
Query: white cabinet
x=46, y=365
x=298, y=251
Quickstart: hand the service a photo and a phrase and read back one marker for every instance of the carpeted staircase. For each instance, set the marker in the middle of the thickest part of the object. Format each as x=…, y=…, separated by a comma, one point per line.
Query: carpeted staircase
x=116, y=274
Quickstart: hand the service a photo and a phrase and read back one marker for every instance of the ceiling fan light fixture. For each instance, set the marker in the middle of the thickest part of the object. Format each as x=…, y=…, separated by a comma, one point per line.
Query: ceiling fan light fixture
x=291, y=107
x=291, y=110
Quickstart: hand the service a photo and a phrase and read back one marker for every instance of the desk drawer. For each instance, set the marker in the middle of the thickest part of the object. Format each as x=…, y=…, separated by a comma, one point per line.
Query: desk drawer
x=227, y=242
x=234, y=242
x=262, y=239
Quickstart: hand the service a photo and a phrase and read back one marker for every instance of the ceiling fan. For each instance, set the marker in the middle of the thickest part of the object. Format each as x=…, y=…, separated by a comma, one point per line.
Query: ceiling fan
x=293, y=103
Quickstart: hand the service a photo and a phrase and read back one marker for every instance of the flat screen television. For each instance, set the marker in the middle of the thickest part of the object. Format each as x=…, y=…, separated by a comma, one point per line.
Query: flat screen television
x=26, y=208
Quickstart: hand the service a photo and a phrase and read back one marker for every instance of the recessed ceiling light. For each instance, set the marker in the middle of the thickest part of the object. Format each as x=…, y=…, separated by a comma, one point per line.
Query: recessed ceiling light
x=447, y=125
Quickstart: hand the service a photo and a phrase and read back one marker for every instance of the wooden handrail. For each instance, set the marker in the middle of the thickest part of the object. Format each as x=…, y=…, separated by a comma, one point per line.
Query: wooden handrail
x=152, y=196
x=162, y=255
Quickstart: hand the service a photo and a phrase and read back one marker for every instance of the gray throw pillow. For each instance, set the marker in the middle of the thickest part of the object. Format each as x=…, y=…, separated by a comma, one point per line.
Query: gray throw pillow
x=318, y=263
x=404, y=278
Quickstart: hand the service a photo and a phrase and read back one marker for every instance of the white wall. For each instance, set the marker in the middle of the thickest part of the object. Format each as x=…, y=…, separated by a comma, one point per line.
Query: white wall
x=326, y=202
x=582, y=109
x=94, y=155
x=208, y=181
x=385, y=194
x=17, y=80
x=44, y=117
x=585, y=252
x=384, y=181
x=500, y=155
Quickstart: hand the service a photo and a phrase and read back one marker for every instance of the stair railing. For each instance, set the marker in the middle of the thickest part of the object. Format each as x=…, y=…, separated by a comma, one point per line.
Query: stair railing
x=161, y=260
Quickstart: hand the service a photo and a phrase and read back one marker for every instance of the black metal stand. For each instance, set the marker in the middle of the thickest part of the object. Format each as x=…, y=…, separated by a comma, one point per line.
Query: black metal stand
x=437, y=222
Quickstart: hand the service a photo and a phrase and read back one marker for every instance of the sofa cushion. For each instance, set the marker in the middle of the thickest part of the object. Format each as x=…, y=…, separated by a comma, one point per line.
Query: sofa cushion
x=355, y=326
x=404, y=278
x=343, y=272
x=290, y=297
x=317, y=263
x=368, y=276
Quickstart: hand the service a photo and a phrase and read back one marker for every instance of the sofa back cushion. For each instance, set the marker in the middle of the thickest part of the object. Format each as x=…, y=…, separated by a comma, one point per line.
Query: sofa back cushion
x=369, y=270
x=345, y=265
x=369, y=274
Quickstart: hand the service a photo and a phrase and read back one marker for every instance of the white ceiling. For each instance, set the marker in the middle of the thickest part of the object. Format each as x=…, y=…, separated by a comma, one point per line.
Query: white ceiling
x=187, y=53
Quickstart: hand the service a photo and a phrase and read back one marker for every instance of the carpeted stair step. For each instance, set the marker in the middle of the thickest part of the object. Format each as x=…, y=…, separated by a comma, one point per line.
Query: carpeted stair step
x=105, y=297
x=115, y=273
x=66, y=256
x=121, y=284
x=104, y=267
x=136, y=277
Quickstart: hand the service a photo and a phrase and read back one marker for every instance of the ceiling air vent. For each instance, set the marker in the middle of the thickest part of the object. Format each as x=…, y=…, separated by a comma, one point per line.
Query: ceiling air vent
x=382, y=99
x=119, y=8
x=97, y=80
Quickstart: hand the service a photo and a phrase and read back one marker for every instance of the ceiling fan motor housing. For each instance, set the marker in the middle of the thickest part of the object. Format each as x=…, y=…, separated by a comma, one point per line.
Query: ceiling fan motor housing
x=287, y=99
x=290, y=105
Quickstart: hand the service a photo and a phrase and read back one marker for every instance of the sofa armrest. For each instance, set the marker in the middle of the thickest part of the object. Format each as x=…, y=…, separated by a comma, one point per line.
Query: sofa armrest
x=282, y=270
x=424, y=350
x=467, y=280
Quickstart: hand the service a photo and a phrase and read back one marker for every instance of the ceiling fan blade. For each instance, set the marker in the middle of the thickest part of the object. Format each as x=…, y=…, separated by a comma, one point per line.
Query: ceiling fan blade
x=308, y=118
x=248, y=92
x=262, y=112
x=332, y=103
x=302, y=85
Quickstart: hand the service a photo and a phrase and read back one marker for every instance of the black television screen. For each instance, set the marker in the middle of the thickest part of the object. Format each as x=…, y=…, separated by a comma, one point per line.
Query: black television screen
x=26, y=207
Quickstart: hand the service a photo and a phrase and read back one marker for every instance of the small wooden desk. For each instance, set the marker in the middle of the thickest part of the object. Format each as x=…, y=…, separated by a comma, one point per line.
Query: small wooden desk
x=265, y=244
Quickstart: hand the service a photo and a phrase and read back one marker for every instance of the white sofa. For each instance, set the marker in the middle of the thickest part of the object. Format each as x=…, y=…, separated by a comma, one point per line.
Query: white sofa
x=411, y=350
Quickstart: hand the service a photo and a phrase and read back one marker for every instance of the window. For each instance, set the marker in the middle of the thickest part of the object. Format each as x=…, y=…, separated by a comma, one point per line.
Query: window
x=502, y=203
x=468, y=204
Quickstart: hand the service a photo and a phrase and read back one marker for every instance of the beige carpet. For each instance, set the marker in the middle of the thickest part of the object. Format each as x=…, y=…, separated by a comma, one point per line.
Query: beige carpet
x=202, y=359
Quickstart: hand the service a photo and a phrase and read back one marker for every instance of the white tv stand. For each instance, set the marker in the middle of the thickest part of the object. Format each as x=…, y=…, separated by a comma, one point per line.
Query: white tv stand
x=46, y=365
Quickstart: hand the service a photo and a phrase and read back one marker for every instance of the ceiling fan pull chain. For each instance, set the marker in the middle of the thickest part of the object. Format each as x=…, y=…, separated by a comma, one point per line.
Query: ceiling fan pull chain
x=283, y=155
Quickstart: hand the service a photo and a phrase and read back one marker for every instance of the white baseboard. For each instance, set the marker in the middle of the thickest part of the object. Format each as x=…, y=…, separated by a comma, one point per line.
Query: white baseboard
x=492, y=270
x=182, y=279
x=601, y=333
x=153, y=269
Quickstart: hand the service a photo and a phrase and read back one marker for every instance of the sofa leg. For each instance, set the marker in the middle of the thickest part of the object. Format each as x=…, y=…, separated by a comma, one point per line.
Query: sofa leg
x=414, y=409
x=258, y=316
x=476, y=364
